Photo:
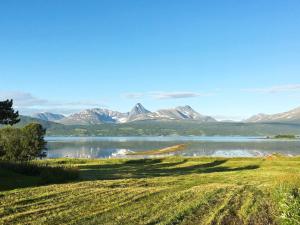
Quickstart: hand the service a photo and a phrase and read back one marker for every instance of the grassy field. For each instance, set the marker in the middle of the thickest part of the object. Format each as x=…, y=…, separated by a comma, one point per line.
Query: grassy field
x=171, y=190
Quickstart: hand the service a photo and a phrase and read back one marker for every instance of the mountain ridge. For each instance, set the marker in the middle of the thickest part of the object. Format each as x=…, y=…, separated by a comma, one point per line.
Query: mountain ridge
x=288, y=116
x=138, y=113
x=48, y=116
x=94, y=116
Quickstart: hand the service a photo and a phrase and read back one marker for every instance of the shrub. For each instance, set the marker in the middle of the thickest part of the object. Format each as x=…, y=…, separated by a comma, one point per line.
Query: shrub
x=22, y=144
x=33, y=141
x=11, y=142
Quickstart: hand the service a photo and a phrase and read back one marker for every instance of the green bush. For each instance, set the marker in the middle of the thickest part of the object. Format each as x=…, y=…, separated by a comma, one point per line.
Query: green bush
x=22, y=144
x=11, y=142
x=34, y=142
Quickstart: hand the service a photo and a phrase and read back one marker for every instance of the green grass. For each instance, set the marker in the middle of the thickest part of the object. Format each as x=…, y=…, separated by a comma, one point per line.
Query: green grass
x=171, y=190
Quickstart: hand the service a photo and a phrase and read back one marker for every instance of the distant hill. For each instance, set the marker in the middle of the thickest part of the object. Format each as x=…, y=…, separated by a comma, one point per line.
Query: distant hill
x=167, y=128
x=47, y=116
x=46, y=124
x=289, y=116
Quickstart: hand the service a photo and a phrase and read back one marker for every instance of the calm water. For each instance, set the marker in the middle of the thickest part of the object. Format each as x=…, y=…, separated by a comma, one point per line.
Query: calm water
x=107, y=147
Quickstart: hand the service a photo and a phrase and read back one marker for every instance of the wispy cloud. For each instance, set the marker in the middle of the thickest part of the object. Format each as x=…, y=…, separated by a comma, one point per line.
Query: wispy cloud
x=22, y=98
x=275, y=89
x=64, y=111
x=27, y=103
x=133, y=95
x=161, y=95
x=176, y=95
x=81, y=103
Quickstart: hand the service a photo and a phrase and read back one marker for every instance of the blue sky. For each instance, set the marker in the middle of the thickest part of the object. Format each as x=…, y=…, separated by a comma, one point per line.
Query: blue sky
x=228, y=59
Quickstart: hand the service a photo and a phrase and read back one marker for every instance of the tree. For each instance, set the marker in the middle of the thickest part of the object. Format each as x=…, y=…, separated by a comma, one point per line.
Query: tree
x=22, y=144
x=34, y=142
x=11, y=143
x=7, y=114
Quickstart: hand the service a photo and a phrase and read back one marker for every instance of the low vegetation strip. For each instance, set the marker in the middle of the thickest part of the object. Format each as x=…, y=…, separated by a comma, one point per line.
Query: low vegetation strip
x=168, y=150
x=285, y=136
x=38, y=171
x=171, y=190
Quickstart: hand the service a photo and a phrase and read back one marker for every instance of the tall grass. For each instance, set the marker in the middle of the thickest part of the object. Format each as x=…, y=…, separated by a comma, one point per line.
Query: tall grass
x=288, y=197
x=49, y=174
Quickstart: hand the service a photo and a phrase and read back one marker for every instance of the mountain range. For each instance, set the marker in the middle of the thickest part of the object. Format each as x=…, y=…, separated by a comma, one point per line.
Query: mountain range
x=138, y=113
x=181, y=120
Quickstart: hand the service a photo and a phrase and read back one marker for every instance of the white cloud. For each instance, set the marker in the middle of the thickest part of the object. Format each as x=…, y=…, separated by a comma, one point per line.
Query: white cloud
x=22, y=98
x=276, y=89
x=64, y=111
x=133, y=95
x=26, y=103
x=160, y=95
x=176, y=95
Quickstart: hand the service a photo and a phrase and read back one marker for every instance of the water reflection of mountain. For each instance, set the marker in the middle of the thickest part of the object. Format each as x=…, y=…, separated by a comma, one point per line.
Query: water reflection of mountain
x=103, y=149
x=83, y=152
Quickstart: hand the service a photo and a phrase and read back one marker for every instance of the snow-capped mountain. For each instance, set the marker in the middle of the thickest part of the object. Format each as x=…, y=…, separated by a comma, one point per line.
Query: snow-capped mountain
x=183, y=113
x=178, y=113
x=138, y=113
x=289, y=116
x=138, y=109
x=47, y=116
x=95, y=116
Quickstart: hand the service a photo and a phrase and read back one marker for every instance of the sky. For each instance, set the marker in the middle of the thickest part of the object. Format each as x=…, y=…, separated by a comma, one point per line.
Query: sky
x=228, y=59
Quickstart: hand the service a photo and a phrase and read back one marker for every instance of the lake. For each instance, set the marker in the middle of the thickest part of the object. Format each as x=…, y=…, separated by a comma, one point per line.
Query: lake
x=110, y=147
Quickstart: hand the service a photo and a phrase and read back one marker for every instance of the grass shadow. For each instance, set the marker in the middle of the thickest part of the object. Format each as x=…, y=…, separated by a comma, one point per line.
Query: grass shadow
x=12, y=178
x=147, y=168
x=26, y=174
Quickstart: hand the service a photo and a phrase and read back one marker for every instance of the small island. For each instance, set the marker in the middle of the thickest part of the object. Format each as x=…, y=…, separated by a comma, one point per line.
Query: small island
x=162, y=151
x=285, y=136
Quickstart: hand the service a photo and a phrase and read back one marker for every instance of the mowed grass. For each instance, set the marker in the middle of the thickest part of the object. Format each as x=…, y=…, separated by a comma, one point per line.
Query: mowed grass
x=172, y=190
